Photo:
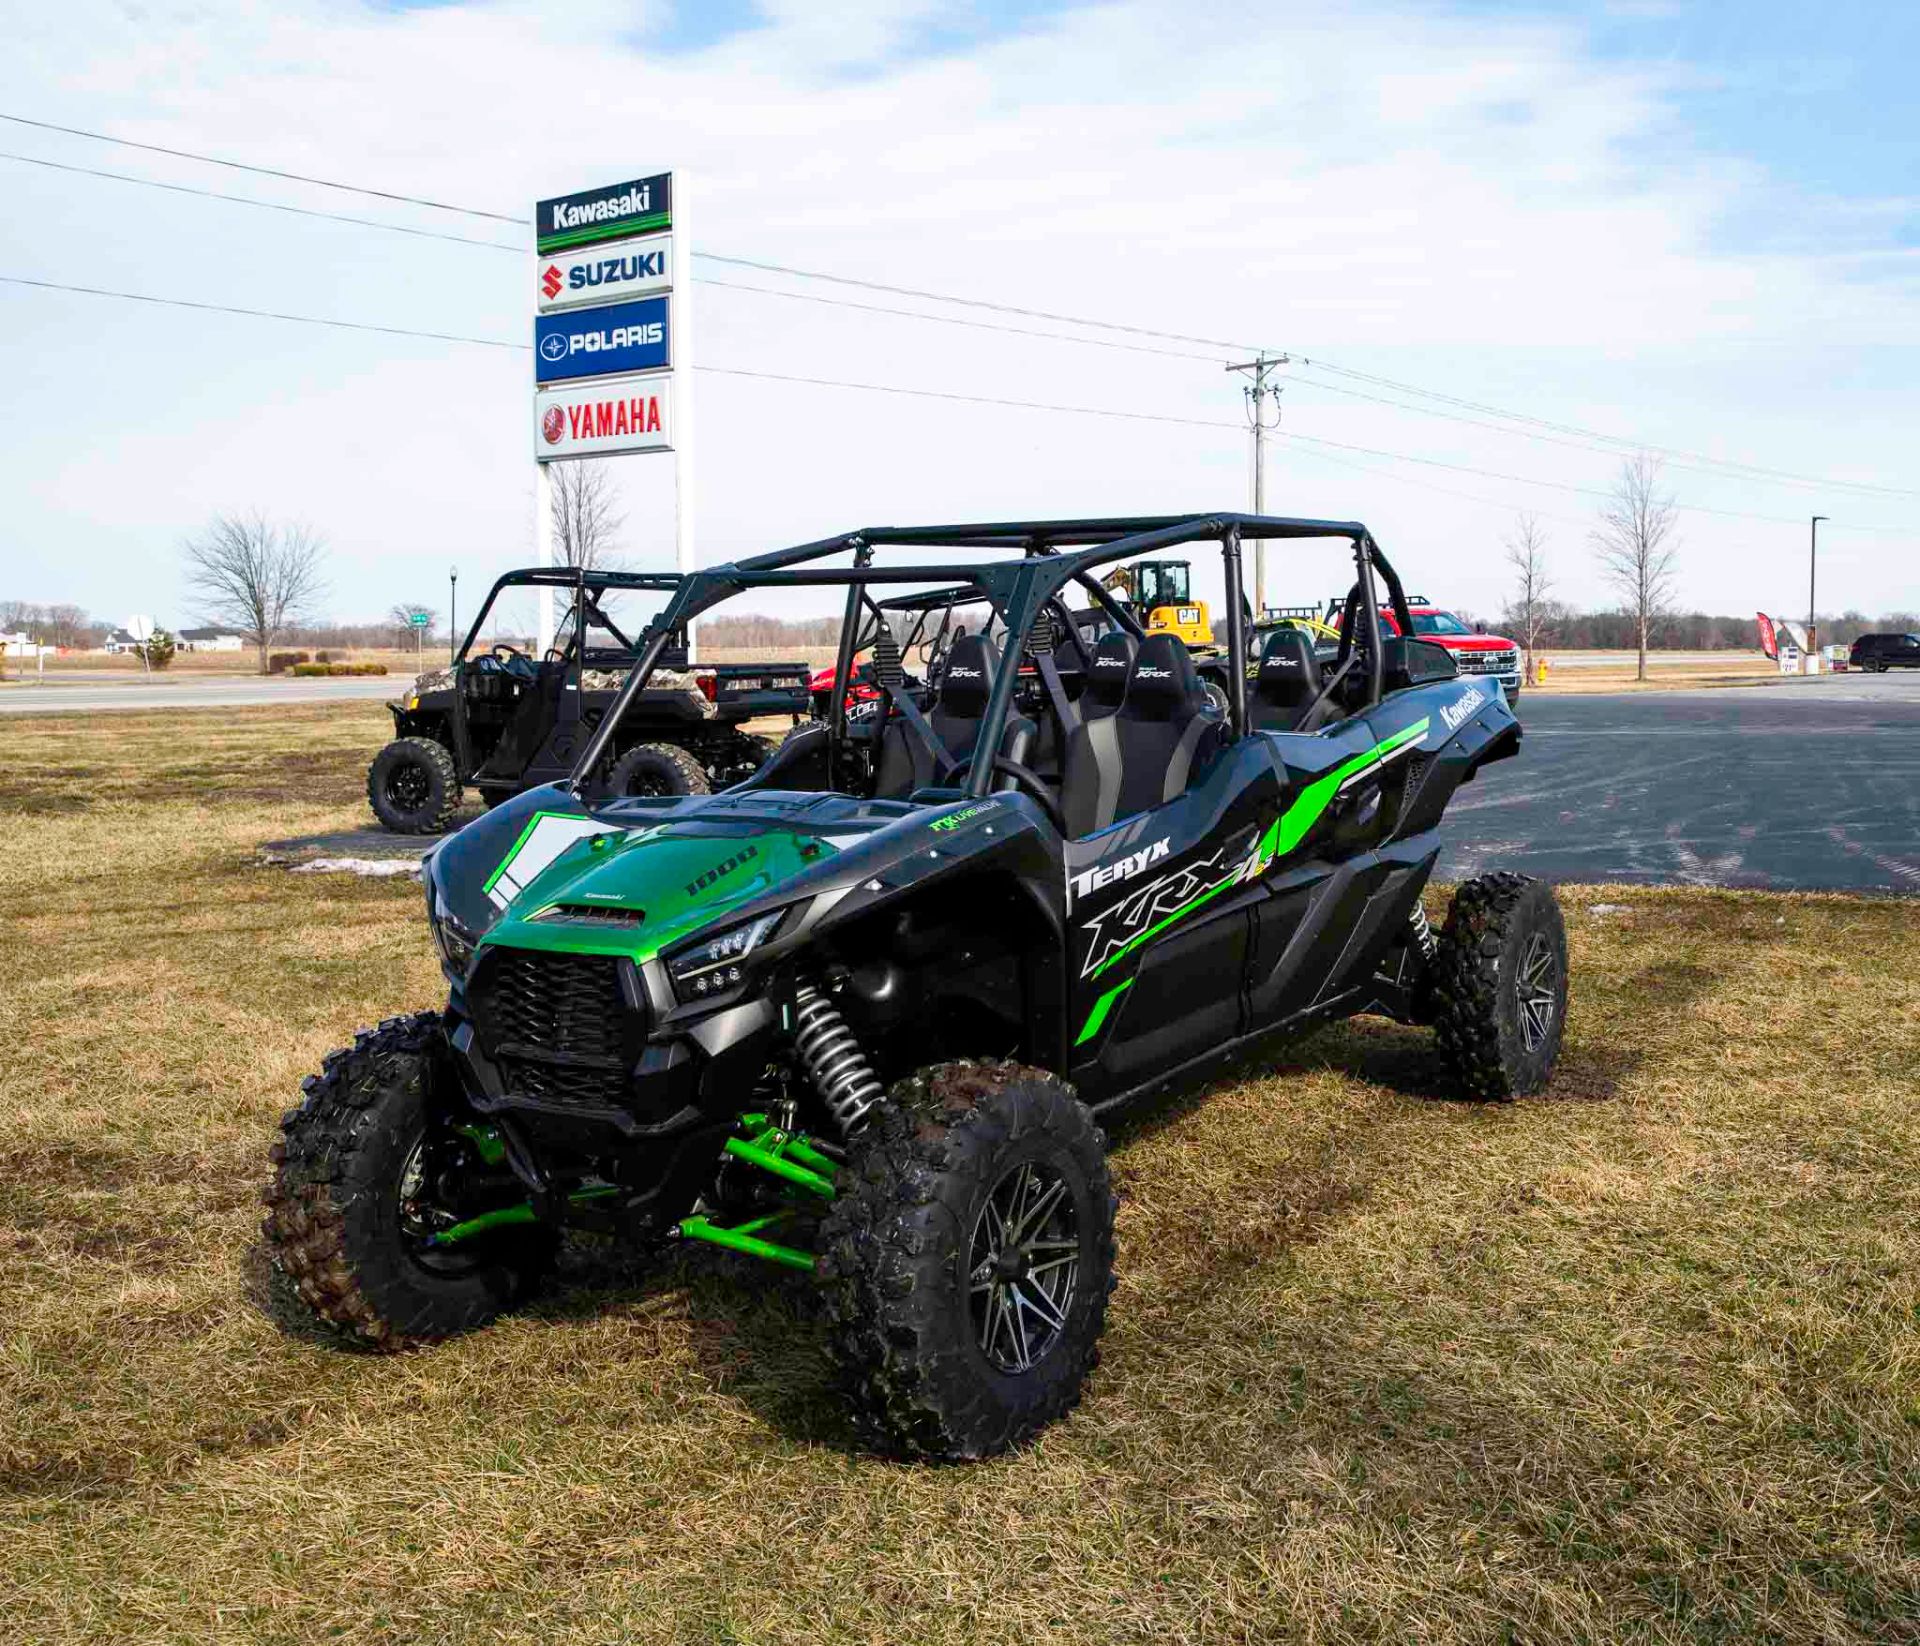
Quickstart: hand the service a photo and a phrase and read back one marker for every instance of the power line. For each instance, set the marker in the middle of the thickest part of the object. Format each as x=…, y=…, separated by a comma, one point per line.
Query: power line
x=264, y=205
x=260, y=314
x=950, y=319
x=1624, y=443
x=970, y=399
x=1680, y=455
x=259, y=171
x=929, y=394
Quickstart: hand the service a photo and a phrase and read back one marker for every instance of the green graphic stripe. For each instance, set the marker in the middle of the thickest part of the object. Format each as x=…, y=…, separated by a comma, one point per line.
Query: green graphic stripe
x=1097, y=1018
x=606, y=231
x=1291, y=827
x=1161, y=925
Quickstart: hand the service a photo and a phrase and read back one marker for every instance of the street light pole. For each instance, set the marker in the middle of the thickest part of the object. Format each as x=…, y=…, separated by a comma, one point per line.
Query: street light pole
x=453, y=613
x=1813, y=547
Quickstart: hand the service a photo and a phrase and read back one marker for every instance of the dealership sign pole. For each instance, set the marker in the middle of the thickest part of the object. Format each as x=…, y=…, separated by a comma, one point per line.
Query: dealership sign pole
x=612, y=335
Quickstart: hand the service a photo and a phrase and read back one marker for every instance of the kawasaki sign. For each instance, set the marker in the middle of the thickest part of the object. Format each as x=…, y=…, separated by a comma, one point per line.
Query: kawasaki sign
x=614, y=213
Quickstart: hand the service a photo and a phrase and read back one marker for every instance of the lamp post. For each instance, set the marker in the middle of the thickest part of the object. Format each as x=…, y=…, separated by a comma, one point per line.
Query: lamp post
x=453, y=618
x=1813, y=546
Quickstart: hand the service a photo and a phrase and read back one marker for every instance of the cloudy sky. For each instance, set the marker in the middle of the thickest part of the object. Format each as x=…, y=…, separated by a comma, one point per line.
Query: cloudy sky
x=1688, y=225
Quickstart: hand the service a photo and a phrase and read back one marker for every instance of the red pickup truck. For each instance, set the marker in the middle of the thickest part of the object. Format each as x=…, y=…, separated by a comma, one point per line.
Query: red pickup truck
x=1474, y=651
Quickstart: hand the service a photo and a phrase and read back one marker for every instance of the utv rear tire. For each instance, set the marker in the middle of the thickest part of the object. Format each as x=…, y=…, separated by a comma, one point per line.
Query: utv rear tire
x=959, y=1332
x=335, y=1226
x=413, y=786
x=657, y=768
x=1499, y=986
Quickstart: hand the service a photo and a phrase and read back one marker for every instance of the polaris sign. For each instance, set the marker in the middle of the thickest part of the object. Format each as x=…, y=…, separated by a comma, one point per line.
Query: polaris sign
x=614, y=213
x=598, y=342
x=606, y=274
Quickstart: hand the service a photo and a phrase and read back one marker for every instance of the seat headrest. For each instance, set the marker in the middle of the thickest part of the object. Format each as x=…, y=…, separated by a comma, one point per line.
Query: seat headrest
x=1163, y=683
x=967, y=680
x=1287, y=660
x=1111, y=667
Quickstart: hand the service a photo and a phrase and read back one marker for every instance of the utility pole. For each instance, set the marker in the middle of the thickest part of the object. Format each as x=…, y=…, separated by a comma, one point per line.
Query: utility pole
x=1259, y=392
x=1813, y=549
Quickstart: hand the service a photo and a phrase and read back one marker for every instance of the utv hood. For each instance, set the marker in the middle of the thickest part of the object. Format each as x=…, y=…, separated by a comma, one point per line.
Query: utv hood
x=637, y=891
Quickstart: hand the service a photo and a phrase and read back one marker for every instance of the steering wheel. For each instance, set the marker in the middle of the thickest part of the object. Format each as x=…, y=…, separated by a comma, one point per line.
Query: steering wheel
x=1024, y=777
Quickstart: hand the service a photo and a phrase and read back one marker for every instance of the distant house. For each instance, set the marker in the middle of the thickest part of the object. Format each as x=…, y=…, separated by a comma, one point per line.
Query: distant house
x=21, y=644
x=119, y=641
x=210, y=640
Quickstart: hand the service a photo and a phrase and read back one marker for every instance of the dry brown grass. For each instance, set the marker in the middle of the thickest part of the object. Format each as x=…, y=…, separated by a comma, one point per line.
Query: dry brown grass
x=1636, y=1361
x=1736, y=669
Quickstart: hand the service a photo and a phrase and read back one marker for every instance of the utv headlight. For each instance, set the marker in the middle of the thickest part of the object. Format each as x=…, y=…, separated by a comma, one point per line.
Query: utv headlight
x=714, y=965
x=456, y=945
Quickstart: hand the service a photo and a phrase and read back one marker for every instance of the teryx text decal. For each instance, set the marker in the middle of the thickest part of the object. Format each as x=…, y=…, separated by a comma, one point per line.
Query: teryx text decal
x=1121, y=868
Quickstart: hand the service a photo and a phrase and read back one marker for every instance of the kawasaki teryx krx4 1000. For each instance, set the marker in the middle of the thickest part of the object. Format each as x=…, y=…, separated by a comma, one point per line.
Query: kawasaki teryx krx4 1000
x=857, y=1014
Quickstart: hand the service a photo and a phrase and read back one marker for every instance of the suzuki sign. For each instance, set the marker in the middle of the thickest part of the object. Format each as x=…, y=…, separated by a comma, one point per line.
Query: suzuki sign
x=623, y=337
x=625, y=414
x=606, y=274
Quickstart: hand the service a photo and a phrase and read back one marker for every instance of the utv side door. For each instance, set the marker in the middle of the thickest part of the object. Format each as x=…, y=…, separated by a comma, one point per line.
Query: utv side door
x=1158, y=925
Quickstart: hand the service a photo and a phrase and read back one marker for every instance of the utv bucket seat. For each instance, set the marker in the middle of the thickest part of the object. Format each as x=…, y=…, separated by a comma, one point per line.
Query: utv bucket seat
x=1144, y=753
x=1287, y=683
x=907, y=757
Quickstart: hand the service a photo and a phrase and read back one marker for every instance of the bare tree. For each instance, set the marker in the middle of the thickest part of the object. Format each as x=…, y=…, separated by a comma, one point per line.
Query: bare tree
x=1529, y=609
x=585, y=522
x=405, y=629
x=253, y=576
x=1634, y=542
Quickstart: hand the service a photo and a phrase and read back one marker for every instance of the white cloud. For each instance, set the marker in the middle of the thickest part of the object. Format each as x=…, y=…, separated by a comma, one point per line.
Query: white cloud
x=1465, y=203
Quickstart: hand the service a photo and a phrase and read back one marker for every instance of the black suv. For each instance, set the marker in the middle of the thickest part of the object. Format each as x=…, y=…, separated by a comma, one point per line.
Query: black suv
x=1881, y=652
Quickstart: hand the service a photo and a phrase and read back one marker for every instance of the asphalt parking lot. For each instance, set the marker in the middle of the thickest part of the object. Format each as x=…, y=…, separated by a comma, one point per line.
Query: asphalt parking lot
x=1804, y=785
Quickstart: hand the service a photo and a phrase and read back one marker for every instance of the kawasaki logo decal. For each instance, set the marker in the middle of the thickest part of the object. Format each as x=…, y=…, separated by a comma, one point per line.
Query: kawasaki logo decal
x=1454, y=713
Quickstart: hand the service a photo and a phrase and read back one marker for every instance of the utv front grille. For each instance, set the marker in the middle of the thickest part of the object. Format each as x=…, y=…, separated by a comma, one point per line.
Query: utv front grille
x=563, y=1028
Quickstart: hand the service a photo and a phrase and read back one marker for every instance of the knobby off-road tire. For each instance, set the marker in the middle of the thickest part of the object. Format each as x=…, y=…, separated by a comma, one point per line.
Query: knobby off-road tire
x=657, y=768
x=1499, y=986
x=334, y=1223
x=413, y=786
x=906, y=1260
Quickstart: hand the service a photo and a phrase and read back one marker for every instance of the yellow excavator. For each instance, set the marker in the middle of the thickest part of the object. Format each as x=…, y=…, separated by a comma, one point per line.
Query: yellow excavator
x=1161, y=595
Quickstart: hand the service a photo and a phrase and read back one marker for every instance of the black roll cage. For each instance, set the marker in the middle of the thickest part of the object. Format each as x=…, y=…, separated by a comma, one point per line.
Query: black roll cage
x=1050, y=555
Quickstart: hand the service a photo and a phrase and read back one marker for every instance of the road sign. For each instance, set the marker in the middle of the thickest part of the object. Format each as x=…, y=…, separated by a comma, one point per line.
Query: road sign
x=141, y=628
x=619, y=414
x=420, y=620
x=616, y=212
x=605, y=342
x=603, y=274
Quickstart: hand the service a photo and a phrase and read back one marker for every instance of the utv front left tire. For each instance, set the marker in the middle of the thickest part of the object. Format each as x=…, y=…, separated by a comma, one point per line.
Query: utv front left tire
x=966, y=1268
x=338, y=1225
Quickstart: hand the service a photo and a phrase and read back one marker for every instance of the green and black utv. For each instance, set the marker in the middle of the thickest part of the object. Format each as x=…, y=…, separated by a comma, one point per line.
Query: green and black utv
x=860, y=1014
x=503, y=721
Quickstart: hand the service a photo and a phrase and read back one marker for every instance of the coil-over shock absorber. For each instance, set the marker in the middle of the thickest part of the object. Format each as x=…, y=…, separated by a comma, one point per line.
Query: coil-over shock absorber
x=1425, y=944
x=832, y=1057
